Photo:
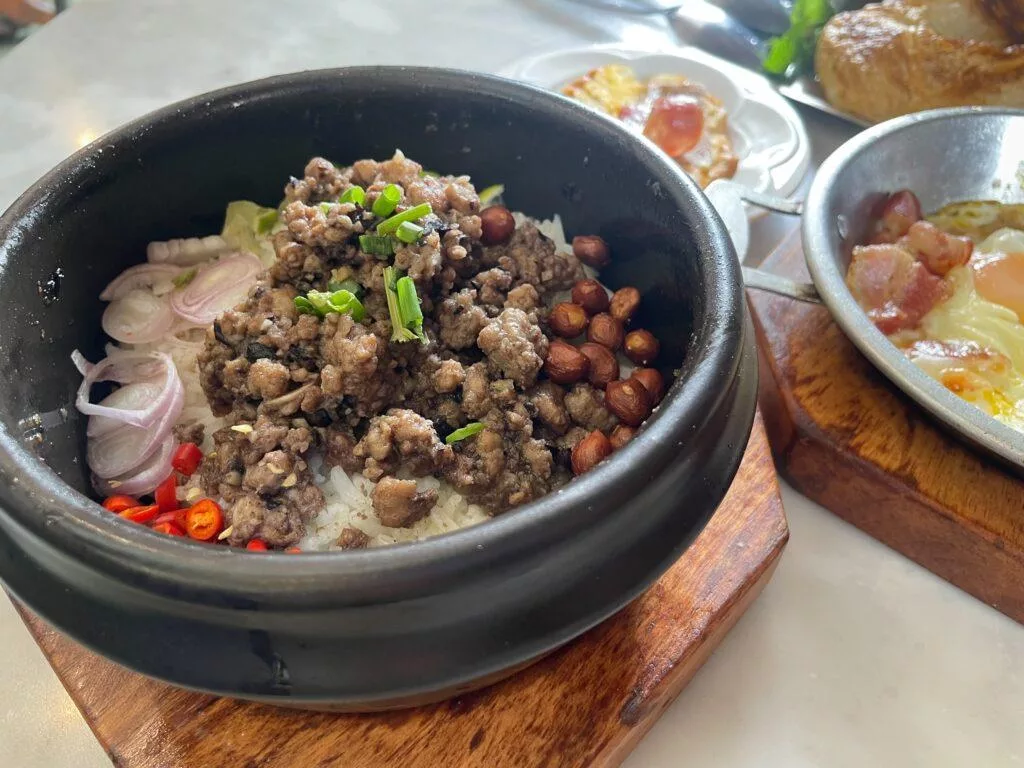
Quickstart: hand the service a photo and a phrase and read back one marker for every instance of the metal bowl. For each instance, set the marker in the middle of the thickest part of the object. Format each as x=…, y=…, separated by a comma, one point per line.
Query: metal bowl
x=943, y=156
x=395, y=625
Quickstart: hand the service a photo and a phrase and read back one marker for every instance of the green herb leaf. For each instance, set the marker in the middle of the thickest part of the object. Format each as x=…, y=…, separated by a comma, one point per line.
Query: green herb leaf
x=473, y=428
x=376, y=245
x=408, y=232
x=184, y=278
x=349, y=285
x=390, y=226
x=387, y=201
x=355, y=195
x=322, y=303
x=491, y=195
x=793, y=52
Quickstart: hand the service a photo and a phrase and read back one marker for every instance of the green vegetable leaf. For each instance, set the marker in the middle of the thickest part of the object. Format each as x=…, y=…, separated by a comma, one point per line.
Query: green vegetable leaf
x=247, y=227
x=793, y=52
x=349, y=285
x=473, y=428
x=265, y=221
x=491, y=195
x=323, y=303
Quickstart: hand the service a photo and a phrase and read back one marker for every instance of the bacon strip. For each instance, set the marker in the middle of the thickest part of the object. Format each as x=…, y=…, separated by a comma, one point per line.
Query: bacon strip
x=893, y=287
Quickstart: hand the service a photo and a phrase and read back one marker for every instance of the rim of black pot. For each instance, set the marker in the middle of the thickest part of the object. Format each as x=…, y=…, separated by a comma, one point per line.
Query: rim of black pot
x=71, y=520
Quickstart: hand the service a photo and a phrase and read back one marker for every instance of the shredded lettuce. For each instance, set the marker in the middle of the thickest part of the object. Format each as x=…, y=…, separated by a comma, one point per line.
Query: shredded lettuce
x=793, y=52
x=247, y=227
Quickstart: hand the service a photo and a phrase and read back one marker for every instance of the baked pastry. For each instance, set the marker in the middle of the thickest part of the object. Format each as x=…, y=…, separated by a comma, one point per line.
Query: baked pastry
x=902, y=56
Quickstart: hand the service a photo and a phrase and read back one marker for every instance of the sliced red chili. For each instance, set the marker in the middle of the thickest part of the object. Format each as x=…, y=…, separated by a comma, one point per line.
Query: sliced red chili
x=176, y=517
x=169, y=528
x=166, y=494
x=186, y=459
x=140, y=514
x=293, y=550
x=204, y=520
x=120, y=503
x=256, y=545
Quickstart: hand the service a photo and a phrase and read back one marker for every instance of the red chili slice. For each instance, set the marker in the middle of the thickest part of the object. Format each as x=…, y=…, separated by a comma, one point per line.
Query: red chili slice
x=166, y=494
x=204, y=520
x=140, y=514
x=675, y=124
x=293, y=550
x=186, y=459
x=169, y=528
x=256, y=545
x=120, y=503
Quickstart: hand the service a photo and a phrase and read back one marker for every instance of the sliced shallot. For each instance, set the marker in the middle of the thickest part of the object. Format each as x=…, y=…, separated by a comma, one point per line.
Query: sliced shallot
x=138, y=317
x=127, y=368
x=144, y=478
x=186, y=252
x=217, y=287
x=130, y=397
x=155, y=276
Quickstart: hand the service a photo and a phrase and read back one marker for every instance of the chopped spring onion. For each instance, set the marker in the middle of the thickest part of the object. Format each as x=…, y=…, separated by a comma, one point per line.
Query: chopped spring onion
x=180, y=281
x=376, y=245
x=349, y=285
x=388, y=200
x=326, y=208
x=491, y=195
x=266, y=221
x=408, y=232
x=322, y=303
x=432, y=174
x=473, y=428
x=355, y=195
x=403, y=307
x=390, y=226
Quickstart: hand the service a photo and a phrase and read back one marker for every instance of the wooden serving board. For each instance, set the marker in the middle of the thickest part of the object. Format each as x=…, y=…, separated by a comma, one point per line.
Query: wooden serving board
x=587, y=704
x=843, y=435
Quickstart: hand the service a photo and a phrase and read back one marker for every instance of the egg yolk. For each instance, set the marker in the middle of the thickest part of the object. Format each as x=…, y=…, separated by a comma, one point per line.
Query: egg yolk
x=999, y=278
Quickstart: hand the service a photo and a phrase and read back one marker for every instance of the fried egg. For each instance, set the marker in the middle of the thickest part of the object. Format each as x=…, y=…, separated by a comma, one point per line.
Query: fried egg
x=974, y=341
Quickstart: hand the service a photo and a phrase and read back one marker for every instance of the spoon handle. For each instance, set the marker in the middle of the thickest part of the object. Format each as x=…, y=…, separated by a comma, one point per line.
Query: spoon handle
x=708, y=27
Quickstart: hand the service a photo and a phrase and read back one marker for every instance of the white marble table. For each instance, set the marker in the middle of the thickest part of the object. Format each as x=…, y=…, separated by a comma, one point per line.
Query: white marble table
x=853, y=656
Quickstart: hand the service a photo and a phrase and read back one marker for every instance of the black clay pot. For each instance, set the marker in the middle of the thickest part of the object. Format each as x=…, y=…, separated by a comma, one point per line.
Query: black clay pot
x=391, y=626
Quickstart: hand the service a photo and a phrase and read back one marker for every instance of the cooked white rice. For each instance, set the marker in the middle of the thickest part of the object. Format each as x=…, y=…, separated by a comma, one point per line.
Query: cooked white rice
x=348, y=496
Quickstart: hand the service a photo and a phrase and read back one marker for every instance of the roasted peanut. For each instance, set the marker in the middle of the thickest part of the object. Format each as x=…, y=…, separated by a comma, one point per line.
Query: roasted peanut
x=629, y=401
x=624, y=303
x=652, y=381
x=567, y=320
x=590, y=295
x=621, y=435
x=604, y=368
x=590, y=451
x=565, y=364
x=496, y=225
x=641, y=347
x=605, y=330
x=591, y=250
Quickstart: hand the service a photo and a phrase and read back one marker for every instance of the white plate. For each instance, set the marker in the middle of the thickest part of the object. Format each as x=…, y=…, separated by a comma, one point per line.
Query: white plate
x=768, y=135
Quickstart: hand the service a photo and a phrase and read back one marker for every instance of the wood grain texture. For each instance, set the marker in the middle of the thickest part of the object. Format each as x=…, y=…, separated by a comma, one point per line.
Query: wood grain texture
x=585, y=705
x=851, y=441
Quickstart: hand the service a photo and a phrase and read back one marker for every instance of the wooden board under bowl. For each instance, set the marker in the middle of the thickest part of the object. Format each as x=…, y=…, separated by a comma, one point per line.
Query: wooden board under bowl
x=587, y=704
x=849, y=439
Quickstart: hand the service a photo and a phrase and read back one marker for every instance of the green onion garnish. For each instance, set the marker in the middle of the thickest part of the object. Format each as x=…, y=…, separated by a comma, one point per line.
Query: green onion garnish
x=184, y=278
x=425, y=173
x=408, y=232
x=376, y=245
x=322, y=303
x=266, y=221
x=355, y=195
x=326, y=208
x=403, y=307
x=349, y=285
x=388, y=199
x=491, y=194
x=390, y=226
x=473, y=428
